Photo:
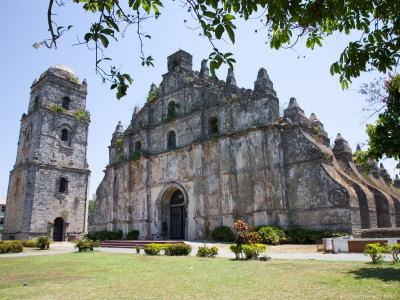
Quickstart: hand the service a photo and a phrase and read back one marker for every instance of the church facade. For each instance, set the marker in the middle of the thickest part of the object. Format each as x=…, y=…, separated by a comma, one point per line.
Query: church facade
x=48, y=187
x=203, y=152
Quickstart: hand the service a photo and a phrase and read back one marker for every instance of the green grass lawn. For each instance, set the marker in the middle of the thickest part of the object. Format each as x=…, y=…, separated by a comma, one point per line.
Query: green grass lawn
x=96, y=275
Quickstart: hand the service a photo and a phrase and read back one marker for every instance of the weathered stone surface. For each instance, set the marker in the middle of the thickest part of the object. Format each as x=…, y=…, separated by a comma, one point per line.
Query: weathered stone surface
x=46, y=157
x=233, y=158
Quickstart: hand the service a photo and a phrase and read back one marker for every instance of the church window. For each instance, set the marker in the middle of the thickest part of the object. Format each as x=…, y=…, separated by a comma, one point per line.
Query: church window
x=36, y=103
x=64, y=135
x=171, y=140
x=62, y=188
x=213, y=126
x=66, y=103
x=28, y=133
x=171, y=111
x=138, y=146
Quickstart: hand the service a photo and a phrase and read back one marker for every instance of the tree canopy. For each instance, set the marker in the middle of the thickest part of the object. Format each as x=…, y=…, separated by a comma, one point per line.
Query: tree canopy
x=285, y=21
x=384, y=136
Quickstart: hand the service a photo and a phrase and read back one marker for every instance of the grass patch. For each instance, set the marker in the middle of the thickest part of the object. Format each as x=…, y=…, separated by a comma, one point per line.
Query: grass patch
x=93, y=275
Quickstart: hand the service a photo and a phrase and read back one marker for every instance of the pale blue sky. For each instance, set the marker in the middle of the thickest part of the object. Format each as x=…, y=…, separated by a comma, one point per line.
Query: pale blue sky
x=24, y=22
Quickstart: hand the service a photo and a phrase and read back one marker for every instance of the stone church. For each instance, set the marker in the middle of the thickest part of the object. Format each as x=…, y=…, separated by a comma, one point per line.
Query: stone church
x=48, y=188
x=203, y=152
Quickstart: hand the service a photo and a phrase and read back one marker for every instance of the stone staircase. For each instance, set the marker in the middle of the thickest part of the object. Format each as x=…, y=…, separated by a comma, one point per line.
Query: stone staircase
x=133, y=244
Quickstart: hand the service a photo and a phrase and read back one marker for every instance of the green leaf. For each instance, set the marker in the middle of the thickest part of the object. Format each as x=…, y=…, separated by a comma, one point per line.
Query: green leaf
x=104, y=40
x=231, y=34
x=218, y=31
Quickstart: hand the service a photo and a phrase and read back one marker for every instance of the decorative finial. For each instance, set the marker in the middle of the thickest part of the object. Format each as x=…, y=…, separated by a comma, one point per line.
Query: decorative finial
x=262, y=74
x=230, y=79
x=204, y=70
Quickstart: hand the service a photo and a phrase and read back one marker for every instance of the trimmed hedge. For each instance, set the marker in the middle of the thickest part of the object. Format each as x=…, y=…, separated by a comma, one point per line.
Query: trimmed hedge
x=169, y=249
x=154, y=249
x=133, y=235
x=11, y=246
x=275, y=235
x=30, y=244
x=105, y=235
x=178, y=250
x=223, y=233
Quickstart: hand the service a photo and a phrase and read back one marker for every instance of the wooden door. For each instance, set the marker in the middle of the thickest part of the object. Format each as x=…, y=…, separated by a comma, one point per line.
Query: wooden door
x=177, y=222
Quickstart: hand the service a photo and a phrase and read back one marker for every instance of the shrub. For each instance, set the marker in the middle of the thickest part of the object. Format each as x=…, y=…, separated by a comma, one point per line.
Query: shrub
x=81, y=115
x=237, y=249
x=302, y=236
x=245, y=234
x=394, y=251
x=223, y=233
x=105, y=235
x=176, y=250
x=154, y=249
x=30, y=244
x=297, y=235
x=86, y=244
x=269, y=235
x=375, y=251
x=205, y=251
x=43, y=242
x=133, y=235
x=11, y=247
x=55, y=108
x=253, y=251
x=137, y=249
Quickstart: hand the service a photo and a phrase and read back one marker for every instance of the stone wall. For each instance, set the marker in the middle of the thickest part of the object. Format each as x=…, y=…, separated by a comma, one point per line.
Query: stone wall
x=45, y=158
x=257, y=166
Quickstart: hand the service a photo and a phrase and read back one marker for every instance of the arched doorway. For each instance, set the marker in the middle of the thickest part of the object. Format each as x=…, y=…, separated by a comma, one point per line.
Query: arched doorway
x=172, y=213
x=177, y=215
x=58, y=232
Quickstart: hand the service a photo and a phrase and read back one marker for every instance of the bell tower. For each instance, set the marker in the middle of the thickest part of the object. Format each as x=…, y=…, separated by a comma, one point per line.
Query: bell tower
x=48, y=187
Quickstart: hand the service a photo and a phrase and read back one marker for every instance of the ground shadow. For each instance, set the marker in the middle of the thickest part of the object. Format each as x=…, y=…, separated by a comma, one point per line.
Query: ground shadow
x=385, y=274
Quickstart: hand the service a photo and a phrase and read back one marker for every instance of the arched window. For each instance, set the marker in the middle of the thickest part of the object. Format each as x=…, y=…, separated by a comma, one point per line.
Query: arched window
x=63, y=185
x=213, y=126
x=36, y=103
x=171, y=140
x=28, y=133
x=65, y=103
x=138, y=146
x=64, y=135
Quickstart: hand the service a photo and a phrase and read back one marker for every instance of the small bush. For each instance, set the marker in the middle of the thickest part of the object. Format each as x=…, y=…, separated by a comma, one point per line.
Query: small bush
x=55, y=108
x=133, y=235
x=86, y=244
x=271, y=235
x=105, y=235
x=237, y=249
x=43, y=242
x=81, y=115
x=205, y=251
x=30, y=244
x=154, y=249
x=245, y=234
x=177, y=250
x=394, y=251
x=137, y=249
x=223, y=233
x=375, y=251
x=253, y=251
x=11, y=247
